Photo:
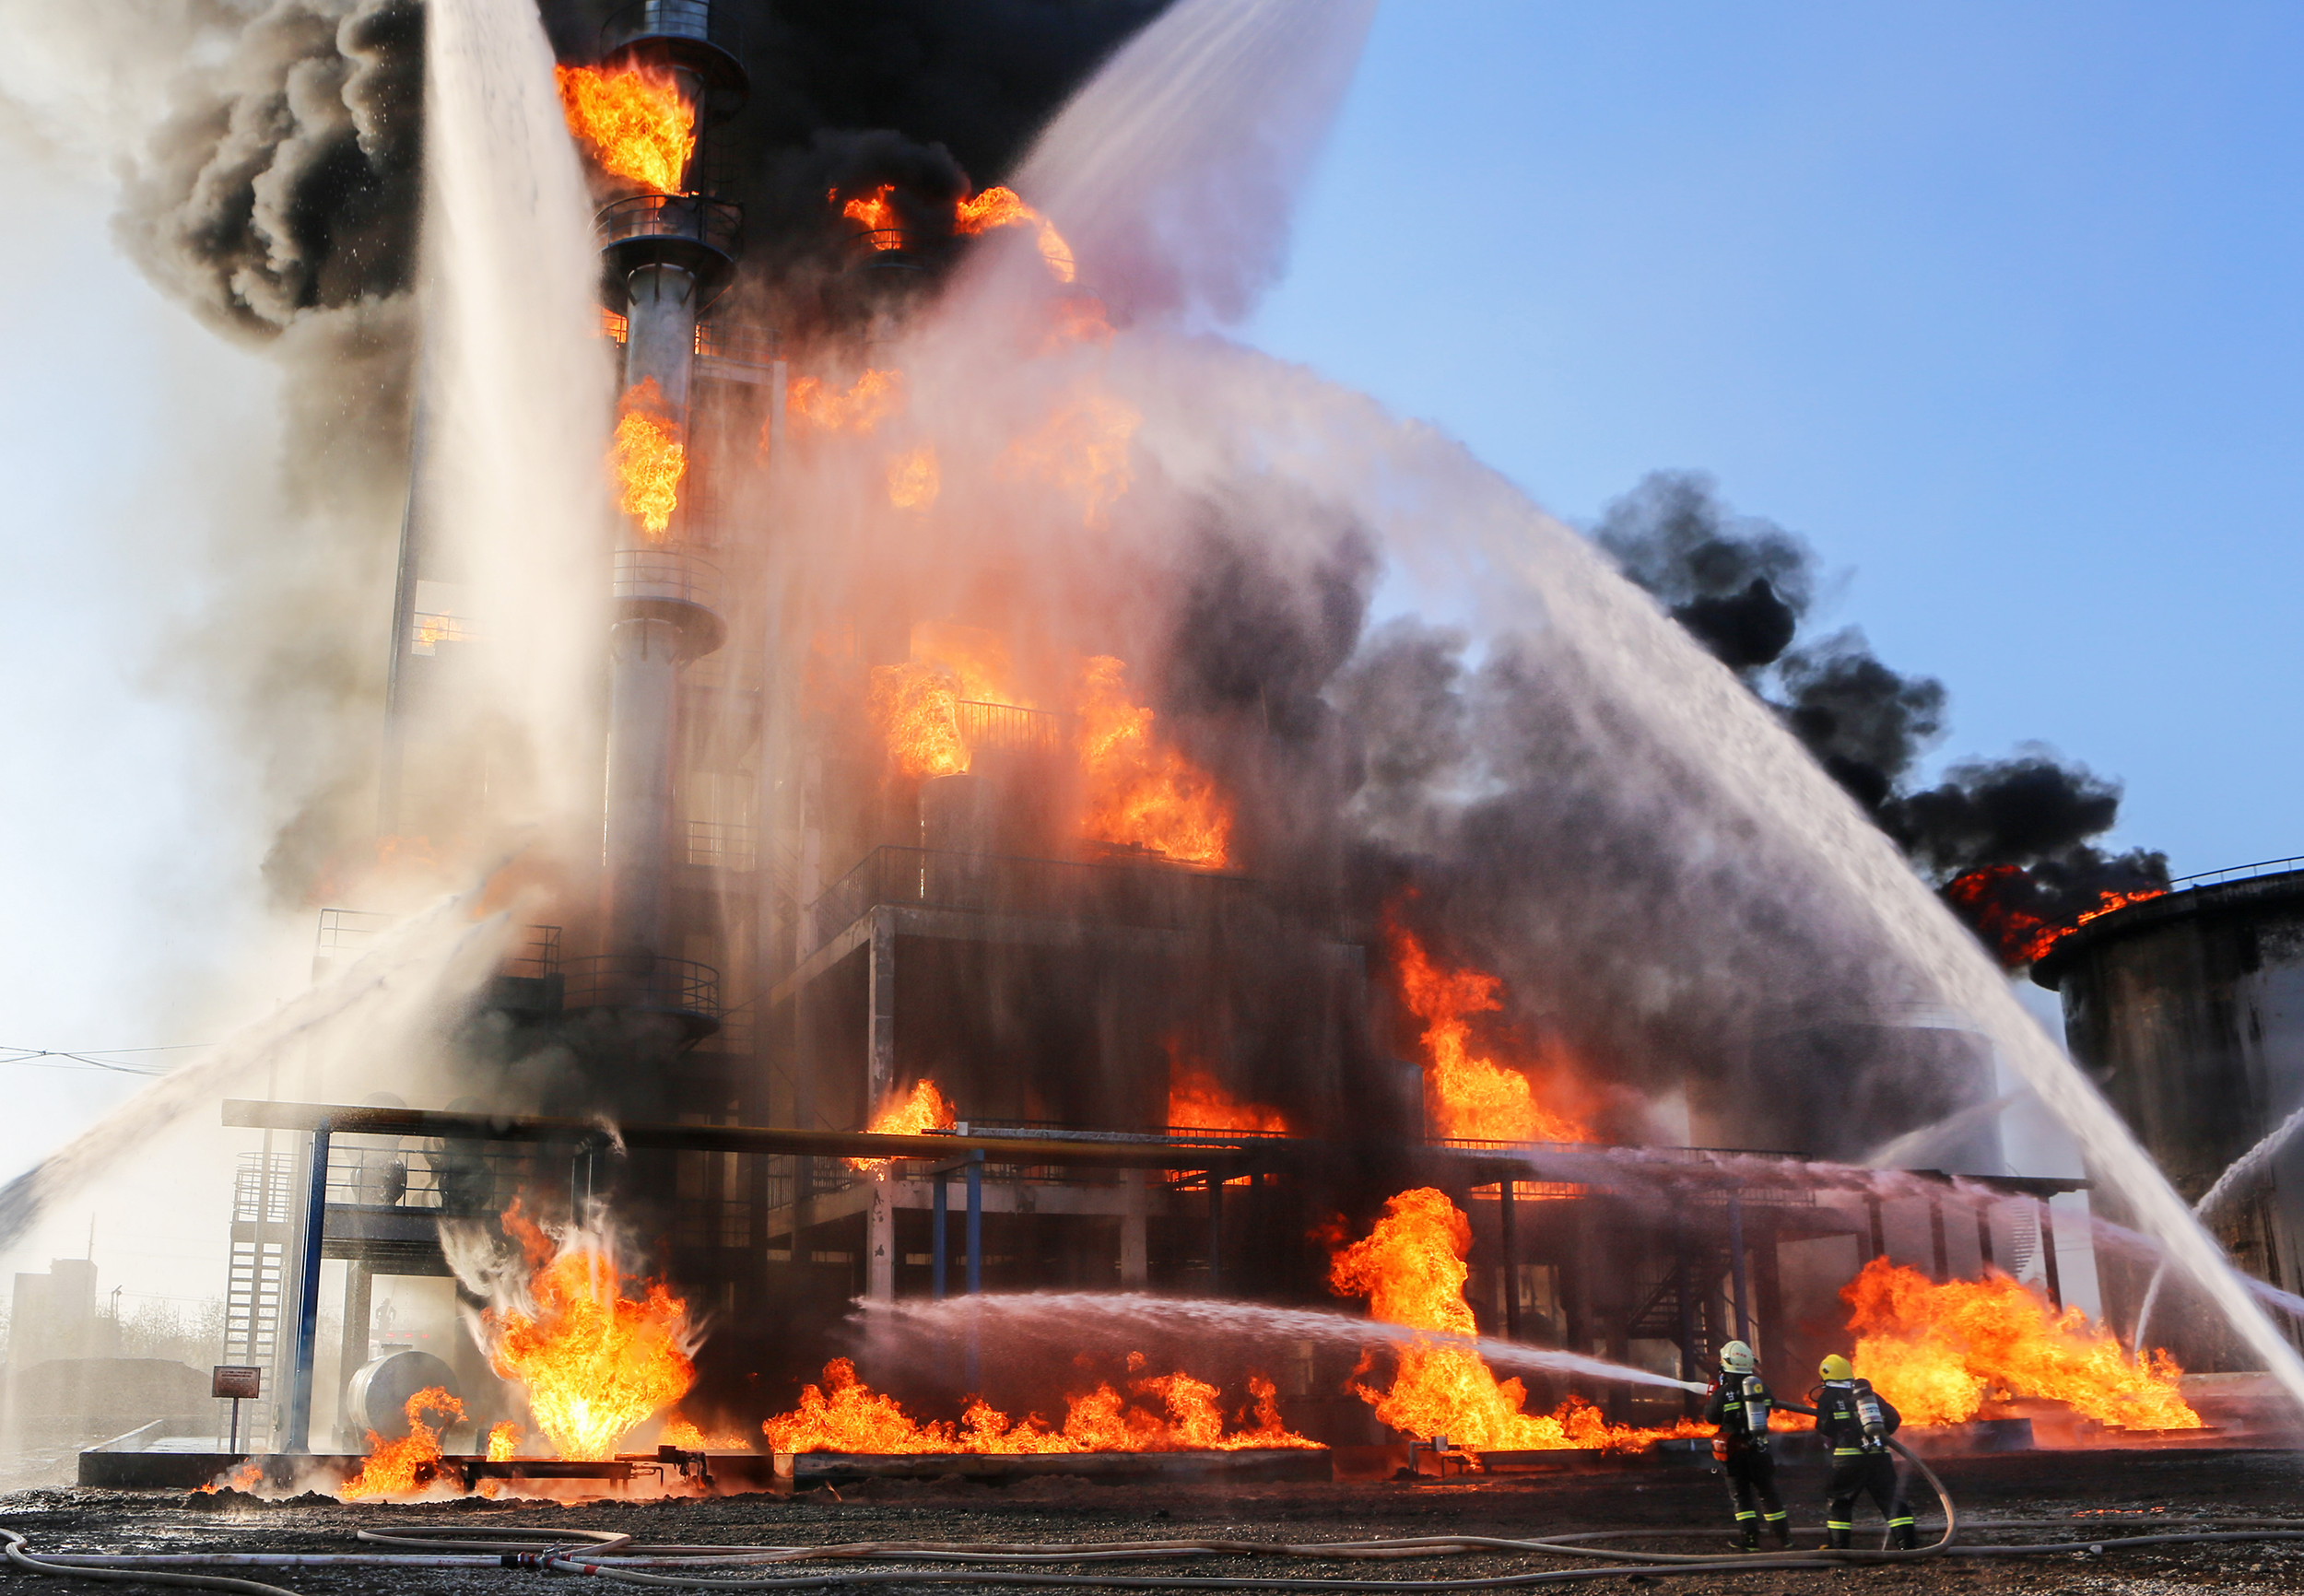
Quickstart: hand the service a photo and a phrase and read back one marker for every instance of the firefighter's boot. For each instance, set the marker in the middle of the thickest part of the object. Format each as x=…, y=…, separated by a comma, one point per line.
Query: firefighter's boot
x=1902, y=1537
x=1840, y=1537
x=1779, y=1526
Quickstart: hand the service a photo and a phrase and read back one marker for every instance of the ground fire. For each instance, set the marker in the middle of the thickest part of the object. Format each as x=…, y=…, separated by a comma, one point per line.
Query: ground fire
x=404, y=1467
x=1942, y=1353
x=1154, y=1414
x=634, y=119
x=596, y=1363
x=649, y=459
x=1466, y=1094
x=1411, y=1268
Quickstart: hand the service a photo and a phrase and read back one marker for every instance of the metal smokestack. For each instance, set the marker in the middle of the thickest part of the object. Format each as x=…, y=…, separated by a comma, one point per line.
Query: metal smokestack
x=666, y=256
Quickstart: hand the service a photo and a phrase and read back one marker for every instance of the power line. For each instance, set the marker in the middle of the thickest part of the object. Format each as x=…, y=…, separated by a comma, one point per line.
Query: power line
x=105, y=1058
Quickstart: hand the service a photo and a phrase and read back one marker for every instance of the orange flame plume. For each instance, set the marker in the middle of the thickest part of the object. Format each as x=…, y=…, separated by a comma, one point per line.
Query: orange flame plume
x=918, y=714
x=685, y=1434
x=1083, y=449
x=635, y=119
x=913, y=480
x=1002, y=208
x=875, y=212
x=650, y=457
x=1142, y=792
x=865, y=402
x=1197, y=1101
x=1411, y=1269
x=1940, y=1352
x=246, y=1477
x=403, y=1467
x=1467, y=1095
x=923, y=1109
x=844, y=1414
x=596, y=1363
x=1076, y=319
x=503, y=1442
x=2016, y=934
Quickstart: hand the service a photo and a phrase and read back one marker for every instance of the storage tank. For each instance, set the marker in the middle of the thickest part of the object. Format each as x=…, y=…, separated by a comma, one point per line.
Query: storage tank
x=2187, y=1011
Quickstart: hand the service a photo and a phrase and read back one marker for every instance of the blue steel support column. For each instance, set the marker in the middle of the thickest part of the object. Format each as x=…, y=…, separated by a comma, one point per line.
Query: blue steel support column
x=975, y=1223
x=299, y=1413
x=975, y=1268
x=937, y=1178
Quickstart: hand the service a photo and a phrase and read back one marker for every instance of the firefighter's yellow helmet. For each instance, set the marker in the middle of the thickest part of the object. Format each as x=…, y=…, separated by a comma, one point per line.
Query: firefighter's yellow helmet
x=1836, y=1368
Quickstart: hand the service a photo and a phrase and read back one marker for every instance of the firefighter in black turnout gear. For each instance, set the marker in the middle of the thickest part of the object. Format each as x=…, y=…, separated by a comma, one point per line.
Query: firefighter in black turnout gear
x=1856, y=1421
x=1738, y=1404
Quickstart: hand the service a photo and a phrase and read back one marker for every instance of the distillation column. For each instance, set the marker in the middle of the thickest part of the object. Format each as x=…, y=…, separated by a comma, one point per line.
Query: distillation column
x=666, y=256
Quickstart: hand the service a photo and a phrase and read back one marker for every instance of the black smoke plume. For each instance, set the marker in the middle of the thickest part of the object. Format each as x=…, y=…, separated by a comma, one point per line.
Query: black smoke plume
x=2008, y=839
x=1739, y=583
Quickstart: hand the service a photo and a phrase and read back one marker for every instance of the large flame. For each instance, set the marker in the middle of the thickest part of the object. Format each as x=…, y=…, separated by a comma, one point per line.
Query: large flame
x=1411, y=1268
x=596, y=1363
x=916, y=705
x=503, y=1442
x=914, y=479
x=844, y=1414
x=861, y=406
x=922, y=1109
x=1467, y=1095
x=917, y=710
x=875, y=212
x=687, y=1435
x=650, y=457
x=1082, y=448
x=2018, y=933
x=1941, y=1352
x=1197, y=1100
x=1002, y=208
x=634, y=119
x=402, y=1468
x=1141, y=792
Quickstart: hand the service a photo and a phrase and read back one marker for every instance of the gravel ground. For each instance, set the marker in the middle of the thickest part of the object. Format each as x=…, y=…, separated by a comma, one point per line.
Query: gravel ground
x=1683, y=1507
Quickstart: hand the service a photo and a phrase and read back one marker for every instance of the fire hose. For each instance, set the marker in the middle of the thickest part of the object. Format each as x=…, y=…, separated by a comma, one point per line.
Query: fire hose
x=612, y=1556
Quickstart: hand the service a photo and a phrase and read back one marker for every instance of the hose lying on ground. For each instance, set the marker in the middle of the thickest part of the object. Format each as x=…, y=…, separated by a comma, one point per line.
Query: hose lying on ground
x=611, y=1556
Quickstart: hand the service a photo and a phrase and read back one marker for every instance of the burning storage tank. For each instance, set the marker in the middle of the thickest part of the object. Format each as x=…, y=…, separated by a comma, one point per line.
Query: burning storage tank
x=2188, y=1009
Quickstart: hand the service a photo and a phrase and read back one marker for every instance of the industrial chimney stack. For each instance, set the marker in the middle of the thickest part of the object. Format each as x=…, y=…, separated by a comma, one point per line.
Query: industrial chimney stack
x=666, y=256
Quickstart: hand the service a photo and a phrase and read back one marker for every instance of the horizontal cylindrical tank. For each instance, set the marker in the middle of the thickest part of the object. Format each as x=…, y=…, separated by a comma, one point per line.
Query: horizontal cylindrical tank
x=376, y=1397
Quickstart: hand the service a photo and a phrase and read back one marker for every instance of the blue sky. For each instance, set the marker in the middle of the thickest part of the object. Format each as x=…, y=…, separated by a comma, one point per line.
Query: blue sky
x=1997, y=306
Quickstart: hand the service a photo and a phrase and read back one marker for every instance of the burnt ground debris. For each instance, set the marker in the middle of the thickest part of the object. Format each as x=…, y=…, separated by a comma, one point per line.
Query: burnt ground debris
x=2180, y=1489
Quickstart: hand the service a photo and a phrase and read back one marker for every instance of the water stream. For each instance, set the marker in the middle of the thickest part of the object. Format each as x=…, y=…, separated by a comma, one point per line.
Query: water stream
x=1052, y=1324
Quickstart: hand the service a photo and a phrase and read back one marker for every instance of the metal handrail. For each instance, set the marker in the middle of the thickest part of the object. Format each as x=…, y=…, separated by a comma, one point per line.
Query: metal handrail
x=1008, y=728
x=1166, y=896
x=673, y=20
x=666, y=573
x=715, y=223
x=641, y=980
x=739, y=345
x=2238, y=873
